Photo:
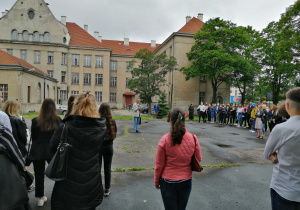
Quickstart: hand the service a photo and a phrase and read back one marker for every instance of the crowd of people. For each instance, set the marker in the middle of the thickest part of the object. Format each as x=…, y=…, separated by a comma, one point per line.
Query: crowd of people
x=90, y=134
x=257, y=117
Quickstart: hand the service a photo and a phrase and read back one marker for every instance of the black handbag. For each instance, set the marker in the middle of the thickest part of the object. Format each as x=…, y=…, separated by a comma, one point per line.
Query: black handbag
x=28, y=178
x=57, y=168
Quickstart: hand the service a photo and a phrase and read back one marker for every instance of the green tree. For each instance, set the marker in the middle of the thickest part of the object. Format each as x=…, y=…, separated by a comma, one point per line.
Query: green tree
x=163, y=106
x=210, y=56
x=149, y=76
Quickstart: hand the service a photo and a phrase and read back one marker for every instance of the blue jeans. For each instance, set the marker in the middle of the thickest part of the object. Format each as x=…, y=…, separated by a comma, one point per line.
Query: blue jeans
x=136, y=123
x=175, y=195
x=240, y=119
x=263, y=129
x=280, y=203
x=253, y=124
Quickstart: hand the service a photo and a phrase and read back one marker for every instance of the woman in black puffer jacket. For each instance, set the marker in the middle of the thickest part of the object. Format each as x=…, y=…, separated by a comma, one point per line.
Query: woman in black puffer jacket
x=82, y=190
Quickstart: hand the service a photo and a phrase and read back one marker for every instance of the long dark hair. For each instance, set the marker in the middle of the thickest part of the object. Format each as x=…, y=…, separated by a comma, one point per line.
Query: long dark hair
x=105, y=112
x=177, y=119
x=70, y=105
x=48, y=118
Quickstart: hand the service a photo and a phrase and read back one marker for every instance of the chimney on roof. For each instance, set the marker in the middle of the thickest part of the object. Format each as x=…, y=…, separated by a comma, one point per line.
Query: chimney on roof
x=64, y=20
x=153, y=44
x=200, y=16
x=86, y=28
x=126, y=41
x=188, y=18
x=100, y=39
x=96, y=34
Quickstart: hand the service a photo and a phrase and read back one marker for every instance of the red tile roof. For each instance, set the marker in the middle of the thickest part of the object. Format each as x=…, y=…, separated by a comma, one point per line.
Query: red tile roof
x=79, y=37
x=8, y=59
x=192, y=26
x=129, y=94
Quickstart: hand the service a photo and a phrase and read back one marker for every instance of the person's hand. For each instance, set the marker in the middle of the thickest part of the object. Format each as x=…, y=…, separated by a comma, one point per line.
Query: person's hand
x=157, y=187
x=274, y=158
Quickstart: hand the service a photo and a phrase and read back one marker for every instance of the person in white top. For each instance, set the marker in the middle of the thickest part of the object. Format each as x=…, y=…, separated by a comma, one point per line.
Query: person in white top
x=201, y=111
x=282, y=148
x=239, y=114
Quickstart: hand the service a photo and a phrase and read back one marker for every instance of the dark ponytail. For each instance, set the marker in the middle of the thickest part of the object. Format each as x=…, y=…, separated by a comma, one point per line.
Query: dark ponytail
x=177, y=119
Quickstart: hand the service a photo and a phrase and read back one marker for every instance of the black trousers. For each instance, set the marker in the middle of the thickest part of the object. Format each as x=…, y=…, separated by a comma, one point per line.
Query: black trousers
x=39, y=173
x=232, y=119
x=107, y=153
x=249, y=121
x=204, y=116
x=209, y=116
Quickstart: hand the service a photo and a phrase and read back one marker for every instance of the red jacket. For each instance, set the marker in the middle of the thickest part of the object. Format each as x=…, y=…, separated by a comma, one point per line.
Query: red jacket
x=174, y=162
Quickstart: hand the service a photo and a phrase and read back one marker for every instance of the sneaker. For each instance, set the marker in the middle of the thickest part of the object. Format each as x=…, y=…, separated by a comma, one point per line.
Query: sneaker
x=106, y=192
x=30, y=188
x=238, y=126
x=253, y=131
x=42, y=202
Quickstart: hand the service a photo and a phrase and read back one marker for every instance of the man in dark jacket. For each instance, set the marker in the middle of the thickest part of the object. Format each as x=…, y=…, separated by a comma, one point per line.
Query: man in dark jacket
x=249, y=114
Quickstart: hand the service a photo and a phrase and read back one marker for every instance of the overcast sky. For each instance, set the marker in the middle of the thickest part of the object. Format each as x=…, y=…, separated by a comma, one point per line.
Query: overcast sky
x=146, y=20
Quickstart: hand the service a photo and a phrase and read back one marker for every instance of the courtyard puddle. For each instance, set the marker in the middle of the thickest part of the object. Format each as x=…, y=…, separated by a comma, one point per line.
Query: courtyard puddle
x=223, y=145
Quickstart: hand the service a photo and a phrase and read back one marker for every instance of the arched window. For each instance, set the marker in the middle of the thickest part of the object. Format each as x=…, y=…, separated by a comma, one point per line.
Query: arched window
x=46, y=37
x=15, y=35
x=25, y=36
x=36, y=36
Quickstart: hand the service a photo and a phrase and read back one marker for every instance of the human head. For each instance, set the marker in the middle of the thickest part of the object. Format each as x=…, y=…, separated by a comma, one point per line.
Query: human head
x=253, y=105
x=292, y=103
x=177, y=119
x=105, y=112
x=85, y=105
x=264, y=106
x=201, y=102
x=282, y=110
x=70, y=105
x=47, y=119
x=191, y=105
x=11, y=107
x=137, y=100
x=273, y=107
x=259, y=106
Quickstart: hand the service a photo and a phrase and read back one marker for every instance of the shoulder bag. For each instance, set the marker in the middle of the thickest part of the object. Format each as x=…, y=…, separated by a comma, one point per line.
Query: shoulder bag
x=26, y=174
x=57, y=168
x=196, y=166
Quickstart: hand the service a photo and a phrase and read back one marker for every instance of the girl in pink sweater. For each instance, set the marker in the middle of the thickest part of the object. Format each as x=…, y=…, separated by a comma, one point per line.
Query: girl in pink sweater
x=173, y=173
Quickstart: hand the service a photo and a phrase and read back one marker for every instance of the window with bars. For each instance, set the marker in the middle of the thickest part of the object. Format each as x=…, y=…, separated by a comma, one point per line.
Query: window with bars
x=63, y=95
x=10, y=51
x=64, y=58
x=24, y=55
x=98, y=79
x=37, y=56
x=98, y=96
x=113, y=81
x=4, y=91
x=113, y=65
x=63, y=77
x=50, y=73
x=75, y=78
x=50, y=57
x=99, y=61
x=75, y=60
x=87, y=61
x=112, y=97
x=128, y=67
x=86, y=78
x=75, y=92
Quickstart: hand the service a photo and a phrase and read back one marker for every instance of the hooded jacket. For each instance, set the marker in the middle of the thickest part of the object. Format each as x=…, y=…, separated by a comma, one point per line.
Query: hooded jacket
x=82, y=190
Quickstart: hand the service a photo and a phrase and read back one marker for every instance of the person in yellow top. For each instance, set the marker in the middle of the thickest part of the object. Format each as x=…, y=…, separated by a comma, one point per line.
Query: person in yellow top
x=253, y=112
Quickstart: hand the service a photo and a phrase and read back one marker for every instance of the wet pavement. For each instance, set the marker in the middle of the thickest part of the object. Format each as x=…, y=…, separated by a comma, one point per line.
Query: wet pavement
x=234, y=188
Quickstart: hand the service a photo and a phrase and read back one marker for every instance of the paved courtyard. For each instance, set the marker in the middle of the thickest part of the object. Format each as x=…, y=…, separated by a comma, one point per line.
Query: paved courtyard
x=237, y=187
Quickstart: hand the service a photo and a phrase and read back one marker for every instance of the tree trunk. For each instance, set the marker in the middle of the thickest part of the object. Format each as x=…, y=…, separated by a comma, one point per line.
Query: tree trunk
x=215, y=89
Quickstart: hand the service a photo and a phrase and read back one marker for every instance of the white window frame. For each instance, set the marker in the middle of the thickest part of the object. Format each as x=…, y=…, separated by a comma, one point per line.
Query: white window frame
x=36, y=36
x=63, y=77
x=47, y=37
x=14, y=35
x=113, y=65
x=99, y=61
x=113, y=81
x=75, y=92
x=87, y=60
x=25, y=36
x=37, y=56
x=50, y=73
x=50, y=57
x=75, y=59
x=63, y=95
x=98, y=79
x=112, y=97
x=4, y=92
x=24, y=55
x=98, y=96
x=64, y=59
x=86, y=78
x=75, y=78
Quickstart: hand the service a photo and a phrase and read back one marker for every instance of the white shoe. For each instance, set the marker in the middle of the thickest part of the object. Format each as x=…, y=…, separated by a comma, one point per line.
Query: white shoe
x=253, y=131
x=238, y=126
x=42, y=202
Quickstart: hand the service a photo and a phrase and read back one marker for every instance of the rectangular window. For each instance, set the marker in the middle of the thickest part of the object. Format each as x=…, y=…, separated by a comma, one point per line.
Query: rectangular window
x=87, y=61
x=63, y=77
x=75, y=60
x=50, y=73
x=10, y=51
x=98, y=79
x=86, y=78
x=28, y=95
x=113, y=65
x=75, y=78
x=113, y=81
x=99, y=61
x=98, y=96
x=37, y=56
x=201, y=97
x=50, y=57
x=128, y=67
x=4, y=91
x=127, y=81
x=112, y=97
x=64, y=59
x=203, y=79
x=75, y=92
x=24, y=55
x=63, y=95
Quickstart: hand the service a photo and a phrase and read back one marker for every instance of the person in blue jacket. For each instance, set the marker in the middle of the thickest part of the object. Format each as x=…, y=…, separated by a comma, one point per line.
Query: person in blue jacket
x=212, y=113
